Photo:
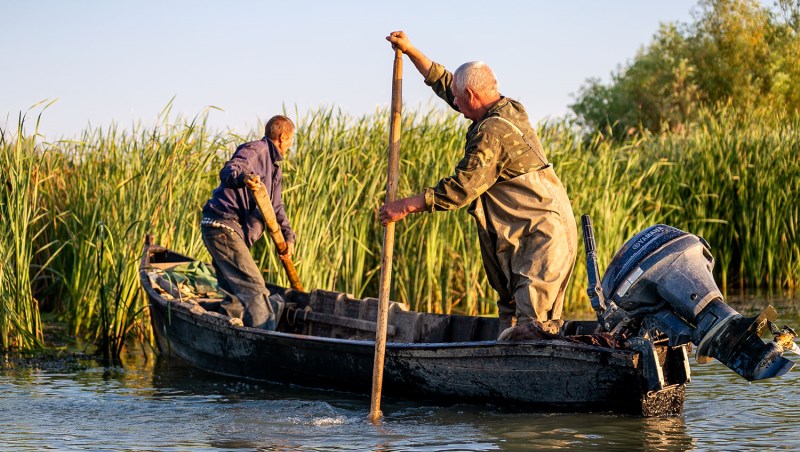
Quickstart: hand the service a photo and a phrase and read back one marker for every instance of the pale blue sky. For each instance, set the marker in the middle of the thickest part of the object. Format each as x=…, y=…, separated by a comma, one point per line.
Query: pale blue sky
x=124, y=60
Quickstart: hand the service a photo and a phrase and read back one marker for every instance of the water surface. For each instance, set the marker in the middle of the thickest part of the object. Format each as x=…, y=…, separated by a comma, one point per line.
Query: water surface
x=162, y=404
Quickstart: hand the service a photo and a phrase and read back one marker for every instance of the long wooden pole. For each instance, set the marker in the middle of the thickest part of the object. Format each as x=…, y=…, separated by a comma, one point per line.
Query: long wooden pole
x=375, y=414
x=274, y=231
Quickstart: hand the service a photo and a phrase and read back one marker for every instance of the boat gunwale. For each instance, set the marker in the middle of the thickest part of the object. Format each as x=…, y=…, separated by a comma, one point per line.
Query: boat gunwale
x=399, y=354
x=219, y=324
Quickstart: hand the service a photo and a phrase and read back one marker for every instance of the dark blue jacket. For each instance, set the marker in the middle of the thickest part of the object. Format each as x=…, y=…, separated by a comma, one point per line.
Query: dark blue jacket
x=232, y=203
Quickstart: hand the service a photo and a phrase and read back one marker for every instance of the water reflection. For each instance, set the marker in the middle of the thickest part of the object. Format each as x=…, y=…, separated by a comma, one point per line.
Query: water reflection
x=306, y=419
x=588, y=431
x=723, y=409
x=162, y=404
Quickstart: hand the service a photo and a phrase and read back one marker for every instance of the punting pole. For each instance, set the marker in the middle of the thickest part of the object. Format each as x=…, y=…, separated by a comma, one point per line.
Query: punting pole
x=388, y=239
x=274, y=231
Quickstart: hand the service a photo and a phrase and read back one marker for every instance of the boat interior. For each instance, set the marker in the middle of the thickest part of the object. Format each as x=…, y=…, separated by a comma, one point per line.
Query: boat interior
x=325, y=313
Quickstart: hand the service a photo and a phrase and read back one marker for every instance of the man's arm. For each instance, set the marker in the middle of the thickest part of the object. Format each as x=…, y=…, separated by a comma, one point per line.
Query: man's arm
x=478, y=170
x=400, y=41
x=397, y=210
x=436, y=76
x=236, y=170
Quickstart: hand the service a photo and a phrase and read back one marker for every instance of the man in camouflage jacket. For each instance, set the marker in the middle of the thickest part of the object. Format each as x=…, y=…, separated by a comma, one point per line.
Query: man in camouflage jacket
x=526, y=227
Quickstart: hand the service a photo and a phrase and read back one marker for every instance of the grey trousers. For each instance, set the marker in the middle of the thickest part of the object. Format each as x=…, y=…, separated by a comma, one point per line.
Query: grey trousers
x=239, y=278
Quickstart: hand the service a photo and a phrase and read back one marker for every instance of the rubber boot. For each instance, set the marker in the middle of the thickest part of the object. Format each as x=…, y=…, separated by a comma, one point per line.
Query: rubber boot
x=552, y=326
x=505, y=322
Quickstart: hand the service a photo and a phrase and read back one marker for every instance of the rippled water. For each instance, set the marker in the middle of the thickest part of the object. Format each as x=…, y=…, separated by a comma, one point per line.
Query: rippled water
x=164, y=405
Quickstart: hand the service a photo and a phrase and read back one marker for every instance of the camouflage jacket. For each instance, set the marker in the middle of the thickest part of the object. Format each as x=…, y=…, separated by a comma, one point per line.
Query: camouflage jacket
x=493, y=152
x=525, y=223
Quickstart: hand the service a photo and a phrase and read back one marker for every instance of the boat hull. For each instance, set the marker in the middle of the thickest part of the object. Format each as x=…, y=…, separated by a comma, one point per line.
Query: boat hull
x=536, y=375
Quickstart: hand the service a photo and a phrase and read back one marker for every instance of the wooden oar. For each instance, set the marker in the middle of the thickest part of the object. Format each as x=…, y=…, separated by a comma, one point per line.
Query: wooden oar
x=388, y=240
x=259, y=192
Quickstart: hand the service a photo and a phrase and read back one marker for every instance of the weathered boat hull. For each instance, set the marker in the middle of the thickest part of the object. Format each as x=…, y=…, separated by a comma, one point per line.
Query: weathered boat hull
x=539, y=375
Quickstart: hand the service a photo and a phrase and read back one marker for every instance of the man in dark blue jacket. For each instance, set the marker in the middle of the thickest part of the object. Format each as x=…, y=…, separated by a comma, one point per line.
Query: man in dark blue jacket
x=232, y=223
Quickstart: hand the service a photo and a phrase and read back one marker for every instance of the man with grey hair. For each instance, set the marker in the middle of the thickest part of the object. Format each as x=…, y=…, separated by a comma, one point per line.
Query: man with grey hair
x=526, y=227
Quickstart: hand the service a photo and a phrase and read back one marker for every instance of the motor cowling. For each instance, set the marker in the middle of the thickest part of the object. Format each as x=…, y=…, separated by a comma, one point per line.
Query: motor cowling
x=662, y=277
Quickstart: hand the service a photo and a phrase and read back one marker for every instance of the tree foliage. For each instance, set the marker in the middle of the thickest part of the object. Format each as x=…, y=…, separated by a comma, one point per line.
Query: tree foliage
x=736, y=52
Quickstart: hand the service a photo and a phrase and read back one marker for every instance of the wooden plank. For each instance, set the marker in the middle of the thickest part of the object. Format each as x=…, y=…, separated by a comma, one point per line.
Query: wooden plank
x=408, y=324
x=487, y=329
x=461, y=328
x=434, y=328
x=346, y=322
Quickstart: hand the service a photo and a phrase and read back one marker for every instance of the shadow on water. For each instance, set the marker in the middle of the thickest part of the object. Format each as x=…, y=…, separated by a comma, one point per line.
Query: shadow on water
x=164, y=404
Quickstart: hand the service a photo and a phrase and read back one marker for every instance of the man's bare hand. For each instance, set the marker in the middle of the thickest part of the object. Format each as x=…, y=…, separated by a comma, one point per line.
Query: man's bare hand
x=288, y=253
x=253, y=181
x=397, y=210
x=400, y=41
x=393, y=211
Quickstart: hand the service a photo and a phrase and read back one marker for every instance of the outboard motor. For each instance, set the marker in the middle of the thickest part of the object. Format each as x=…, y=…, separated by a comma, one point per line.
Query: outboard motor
x=661, y=280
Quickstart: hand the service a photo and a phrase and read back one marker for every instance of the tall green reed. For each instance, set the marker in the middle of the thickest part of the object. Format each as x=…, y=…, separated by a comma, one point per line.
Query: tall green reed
x=335, y=183
x=116, y=187
x=22, y=246
x=78, y=209
x=731, y=178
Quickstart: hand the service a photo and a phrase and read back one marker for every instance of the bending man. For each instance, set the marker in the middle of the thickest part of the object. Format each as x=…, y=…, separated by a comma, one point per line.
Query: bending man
x=232, y=223
x=526, y=227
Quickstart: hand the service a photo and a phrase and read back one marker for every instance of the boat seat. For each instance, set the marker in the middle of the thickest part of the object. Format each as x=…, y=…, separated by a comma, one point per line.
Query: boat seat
x=340, y=315
x=436, y=328
x=341, y=324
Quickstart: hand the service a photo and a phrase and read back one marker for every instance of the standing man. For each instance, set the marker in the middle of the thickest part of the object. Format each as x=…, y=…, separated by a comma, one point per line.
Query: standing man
x=232, y=223
x=526, y=227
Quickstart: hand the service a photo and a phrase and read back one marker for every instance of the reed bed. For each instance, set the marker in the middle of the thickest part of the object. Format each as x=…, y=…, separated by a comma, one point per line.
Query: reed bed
x=77, y=210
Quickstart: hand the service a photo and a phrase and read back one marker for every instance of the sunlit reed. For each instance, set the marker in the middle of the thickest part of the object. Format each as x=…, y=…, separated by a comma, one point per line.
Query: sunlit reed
x=76, y=211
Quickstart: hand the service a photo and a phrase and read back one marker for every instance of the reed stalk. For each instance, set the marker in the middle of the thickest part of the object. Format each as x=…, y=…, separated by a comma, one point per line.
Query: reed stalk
x=731, y=178
x=21, y=244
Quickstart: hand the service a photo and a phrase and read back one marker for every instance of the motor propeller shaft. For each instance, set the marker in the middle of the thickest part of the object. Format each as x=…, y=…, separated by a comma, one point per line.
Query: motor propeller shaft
x=784, y=338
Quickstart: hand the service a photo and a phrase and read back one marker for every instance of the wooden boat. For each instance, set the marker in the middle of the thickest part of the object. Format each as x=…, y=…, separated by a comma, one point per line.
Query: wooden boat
x=326, y=340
